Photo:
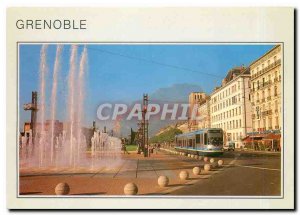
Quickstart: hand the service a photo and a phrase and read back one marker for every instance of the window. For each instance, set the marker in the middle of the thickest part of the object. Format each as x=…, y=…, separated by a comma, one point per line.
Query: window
x=276, y=105
x=270, y=123
x=258, y=85
x=275, y=91
x=197, y=138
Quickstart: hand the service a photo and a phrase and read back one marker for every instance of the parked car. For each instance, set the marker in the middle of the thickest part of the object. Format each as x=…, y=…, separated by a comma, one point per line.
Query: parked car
x=229, y=147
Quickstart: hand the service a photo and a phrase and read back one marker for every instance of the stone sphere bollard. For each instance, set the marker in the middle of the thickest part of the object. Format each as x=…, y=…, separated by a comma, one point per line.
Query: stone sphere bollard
x=189, y=155
x=196, y=157
x=200, y=158
x=207, y=167
x=220, y=162
x=62, y=189
x=183, y=175
x=163, y=181
x=212, y=160
x=192, y=156
x=205, y=159
x=130, y=189
x=196, y=170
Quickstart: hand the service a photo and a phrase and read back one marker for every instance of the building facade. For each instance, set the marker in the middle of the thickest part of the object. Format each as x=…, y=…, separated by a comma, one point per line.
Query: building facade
x=266, y=92
x=194, y=99
x=230, y=107
x=203, y=114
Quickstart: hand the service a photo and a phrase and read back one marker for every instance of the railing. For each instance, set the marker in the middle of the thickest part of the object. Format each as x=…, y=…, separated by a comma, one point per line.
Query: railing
x=271, y=66
x=266, y=113
x=276, y=126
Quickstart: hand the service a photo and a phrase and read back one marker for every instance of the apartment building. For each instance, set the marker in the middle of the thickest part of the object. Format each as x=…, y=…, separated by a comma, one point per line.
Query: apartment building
x=266, y=91
x=203, y=114
x=230, y=107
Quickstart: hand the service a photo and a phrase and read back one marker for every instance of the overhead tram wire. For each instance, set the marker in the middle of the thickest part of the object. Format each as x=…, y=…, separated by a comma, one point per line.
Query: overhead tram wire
x=153, y=62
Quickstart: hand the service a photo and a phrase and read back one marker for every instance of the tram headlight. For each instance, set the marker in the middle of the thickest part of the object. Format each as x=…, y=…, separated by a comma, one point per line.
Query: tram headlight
x=209, y=147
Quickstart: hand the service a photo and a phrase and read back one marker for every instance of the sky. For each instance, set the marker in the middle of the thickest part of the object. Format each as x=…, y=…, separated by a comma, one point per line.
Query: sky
x=123, y=72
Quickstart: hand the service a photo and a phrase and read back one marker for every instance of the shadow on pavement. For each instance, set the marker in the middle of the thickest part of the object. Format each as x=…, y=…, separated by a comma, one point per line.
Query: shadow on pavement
x=101, y=193
x=30, y=193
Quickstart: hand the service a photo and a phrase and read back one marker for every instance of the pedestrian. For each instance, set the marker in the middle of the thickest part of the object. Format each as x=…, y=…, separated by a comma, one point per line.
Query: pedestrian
x=124, y=147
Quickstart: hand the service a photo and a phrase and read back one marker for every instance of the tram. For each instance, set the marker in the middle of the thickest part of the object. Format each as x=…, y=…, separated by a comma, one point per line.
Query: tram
x=208, y=141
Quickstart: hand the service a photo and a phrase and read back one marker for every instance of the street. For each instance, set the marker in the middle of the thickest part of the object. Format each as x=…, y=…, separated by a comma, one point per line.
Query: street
x=243, y=174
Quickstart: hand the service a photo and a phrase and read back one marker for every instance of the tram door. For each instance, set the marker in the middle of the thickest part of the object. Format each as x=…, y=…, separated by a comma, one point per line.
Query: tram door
x=197, y=141
x=190, y=143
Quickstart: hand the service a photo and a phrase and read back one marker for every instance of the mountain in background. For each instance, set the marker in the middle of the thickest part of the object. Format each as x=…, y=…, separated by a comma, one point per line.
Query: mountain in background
x=175, y=93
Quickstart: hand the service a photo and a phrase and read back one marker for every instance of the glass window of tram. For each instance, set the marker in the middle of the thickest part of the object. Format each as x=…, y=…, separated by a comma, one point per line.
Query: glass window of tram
x=215, y=137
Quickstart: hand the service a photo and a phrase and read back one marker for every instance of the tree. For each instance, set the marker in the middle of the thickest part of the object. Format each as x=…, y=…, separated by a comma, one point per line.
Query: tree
x=166, y=136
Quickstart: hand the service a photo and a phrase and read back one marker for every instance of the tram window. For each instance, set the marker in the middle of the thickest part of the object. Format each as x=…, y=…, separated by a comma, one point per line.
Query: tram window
x=197, y=138
x=205, y=139
x=190, y=142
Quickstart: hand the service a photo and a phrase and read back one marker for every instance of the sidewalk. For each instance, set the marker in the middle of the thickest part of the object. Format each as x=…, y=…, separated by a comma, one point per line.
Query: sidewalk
x=144, y=172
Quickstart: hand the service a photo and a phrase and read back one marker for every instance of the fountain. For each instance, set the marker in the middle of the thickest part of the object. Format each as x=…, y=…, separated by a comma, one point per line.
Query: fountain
x=54, y=150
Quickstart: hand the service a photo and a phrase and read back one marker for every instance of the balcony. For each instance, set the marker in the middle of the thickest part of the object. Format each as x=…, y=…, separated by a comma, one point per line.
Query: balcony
x=266, y=113
x=265, y=84
x=264, y=70
x=276, y=126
